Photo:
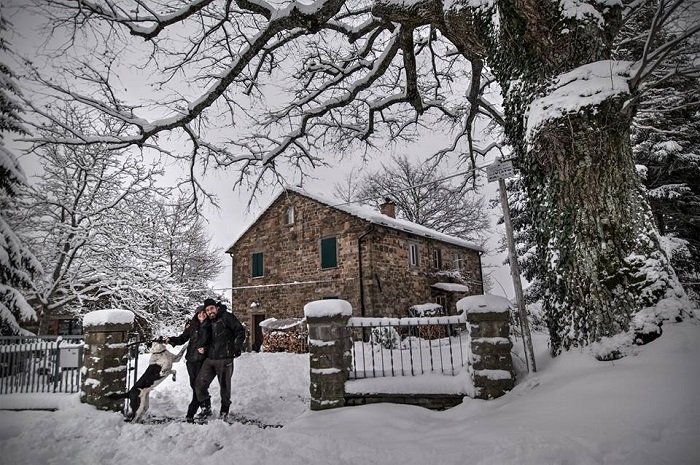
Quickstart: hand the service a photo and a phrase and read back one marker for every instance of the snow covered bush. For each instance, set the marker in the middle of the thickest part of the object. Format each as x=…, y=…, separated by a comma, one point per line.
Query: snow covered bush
x=426, y=310
x=645, y=327
x=387, y=337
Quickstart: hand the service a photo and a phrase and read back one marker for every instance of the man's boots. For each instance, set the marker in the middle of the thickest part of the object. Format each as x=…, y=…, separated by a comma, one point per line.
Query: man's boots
x=205, y=409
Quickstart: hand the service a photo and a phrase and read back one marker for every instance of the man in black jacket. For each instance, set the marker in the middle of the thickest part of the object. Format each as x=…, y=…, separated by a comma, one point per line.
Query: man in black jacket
x=227, y=339
x=198, y=333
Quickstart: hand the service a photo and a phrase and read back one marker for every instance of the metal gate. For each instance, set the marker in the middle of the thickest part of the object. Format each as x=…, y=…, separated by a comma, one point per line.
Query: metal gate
x=40, y=364
x=133, y=349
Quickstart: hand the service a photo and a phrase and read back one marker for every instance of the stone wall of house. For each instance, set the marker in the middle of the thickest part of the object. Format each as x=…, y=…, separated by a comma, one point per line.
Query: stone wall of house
x=394, y=286
x=292, y=273
x=292, y=264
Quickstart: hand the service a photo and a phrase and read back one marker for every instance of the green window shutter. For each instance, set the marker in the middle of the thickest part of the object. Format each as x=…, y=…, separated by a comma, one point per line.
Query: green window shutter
x=329, y=253
x=257, y=264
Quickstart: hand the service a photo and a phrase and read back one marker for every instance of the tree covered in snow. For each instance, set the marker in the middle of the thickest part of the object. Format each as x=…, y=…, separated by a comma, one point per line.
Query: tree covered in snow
x=174, y=234
x=423, y=194
x=17, y=264
x=667, y=145
x=666, y=138
x=187, y=245
x=108, y=236
x=253, y=85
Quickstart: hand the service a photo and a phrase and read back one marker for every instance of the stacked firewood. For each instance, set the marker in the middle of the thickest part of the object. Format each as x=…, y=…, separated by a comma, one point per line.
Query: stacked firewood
x=426, y=311
x=432, y=331
x=285, y=341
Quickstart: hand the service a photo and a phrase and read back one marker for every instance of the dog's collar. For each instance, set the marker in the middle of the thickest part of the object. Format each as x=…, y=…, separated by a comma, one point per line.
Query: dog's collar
x=159, y=352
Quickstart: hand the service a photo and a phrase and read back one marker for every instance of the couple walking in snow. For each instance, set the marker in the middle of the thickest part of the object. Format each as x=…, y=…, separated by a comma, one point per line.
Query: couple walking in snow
x=215, y=338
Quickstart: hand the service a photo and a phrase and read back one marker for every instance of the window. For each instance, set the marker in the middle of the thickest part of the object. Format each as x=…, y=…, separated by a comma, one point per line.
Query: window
x=329, y=253
x=437, y=258
x=441, y=300
x=413, y=254
x=290, y=214
x=257, y=264
x=68, y=327
x=458, y=261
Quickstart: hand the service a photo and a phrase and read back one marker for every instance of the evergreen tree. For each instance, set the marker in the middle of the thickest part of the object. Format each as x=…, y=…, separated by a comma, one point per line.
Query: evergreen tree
x=17, y=264
x=667, y=143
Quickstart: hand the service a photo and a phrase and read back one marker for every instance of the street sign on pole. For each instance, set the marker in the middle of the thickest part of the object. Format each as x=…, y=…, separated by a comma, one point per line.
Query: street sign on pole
x=499, y=171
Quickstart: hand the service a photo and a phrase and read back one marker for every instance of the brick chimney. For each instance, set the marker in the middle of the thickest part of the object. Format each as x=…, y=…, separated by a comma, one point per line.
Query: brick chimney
x=388, y=208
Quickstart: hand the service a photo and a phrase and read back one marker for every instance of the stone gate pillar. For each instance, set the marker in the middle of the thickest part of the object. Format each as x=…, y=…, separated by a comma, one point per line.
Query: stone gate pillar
x=105, y=357
x=329, y=351
x=492, y=370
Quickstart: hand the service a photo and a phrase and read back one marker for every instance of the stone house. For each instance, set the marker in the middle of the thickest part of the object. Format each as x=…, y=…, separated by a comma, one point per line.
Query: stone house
x=304, y=247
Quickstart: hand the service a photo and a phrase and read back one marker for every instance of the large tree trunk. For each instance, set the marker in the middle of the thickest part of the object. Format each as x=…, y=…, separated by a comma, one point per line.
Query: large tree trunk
x=599, y=251
x=598, y=248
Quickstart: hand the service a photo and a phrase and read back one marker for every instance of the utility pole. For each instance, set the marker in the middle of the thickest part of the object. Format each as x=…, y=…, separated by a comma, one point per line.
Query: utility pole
x=499, y=171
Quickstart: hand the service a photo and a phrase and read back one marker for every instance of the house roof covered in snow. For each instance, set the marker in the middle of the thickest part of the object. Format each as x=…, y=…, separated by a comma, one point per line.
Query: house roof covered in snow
x=371, y=215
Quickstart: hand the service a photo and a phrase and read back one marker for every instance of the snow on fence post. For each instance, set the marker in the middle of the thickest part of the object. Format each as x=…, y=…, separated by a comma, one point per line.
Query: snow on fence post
x=491, y=365
x=329, y=351
x=105, y=358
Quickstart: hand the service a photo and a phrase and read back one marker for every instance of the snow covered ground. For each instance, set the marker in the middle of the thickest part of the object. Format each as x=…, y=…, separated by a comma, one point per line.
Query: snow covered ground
x=642, y=409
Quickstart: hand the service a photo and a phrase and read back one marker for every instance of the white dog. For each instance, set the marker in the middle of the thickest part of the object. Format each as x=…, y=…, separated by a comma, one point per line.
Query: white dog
x=160, y=366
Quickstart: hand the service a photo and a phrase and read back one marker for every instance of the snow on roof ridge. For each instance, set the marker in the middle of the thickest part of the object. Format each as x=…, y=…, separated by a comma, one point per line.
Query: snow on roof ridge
x=376, y=217
x=367, y=214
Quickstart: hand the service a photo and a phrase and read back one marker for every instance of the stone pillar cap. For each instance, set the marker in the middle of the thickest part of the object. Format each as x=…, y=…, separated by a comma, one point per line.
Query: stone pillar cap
x=484, y=304
x=109, y=316
x=327, y=308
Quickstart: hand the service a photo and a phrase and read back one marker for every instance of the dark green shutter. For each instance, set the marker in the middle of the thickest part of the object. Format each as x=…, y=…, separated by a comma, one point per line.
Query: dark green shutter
x=257, y=264
x=329, y=256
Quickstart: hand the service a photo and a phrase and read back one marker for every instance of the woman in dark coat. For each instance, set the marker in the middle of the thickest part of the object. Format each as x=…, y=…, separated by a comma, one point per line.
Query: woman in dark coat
x=198, y=332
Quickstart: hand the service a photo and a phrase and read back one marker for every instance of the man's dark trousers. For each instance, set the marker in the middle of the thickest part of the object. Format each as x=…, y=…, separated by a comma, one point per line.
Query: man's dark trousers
x=222, y=369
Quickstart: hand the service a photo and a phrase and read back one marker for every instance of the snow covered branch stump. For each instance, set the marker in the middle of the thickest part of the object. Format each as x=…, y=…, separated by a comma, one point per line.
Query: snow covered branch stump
x=492, y=370
x=329, y=351
x=104, y=369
